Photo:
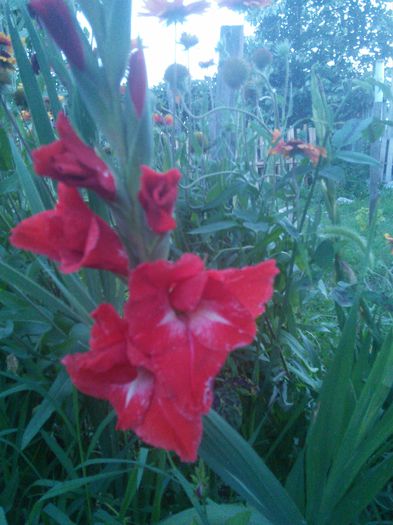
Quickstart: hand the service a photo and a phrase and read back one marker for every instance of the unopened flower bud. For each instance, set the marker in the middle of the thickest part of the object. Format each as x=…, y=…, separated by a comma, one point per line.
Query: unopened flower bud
x=137, y=80
x=57, y=19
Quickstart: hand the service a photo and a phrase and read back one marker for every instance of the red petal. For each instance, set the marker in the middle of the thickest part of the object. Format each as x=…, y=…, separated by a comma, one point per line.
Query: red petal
x=148, y=278
x=166, y=427
x=108, y=329
x=251, y=285
x=73, y=235
x=40, y=233
x=132, y=401
x=106, y=373
x=71, y=161
x=220, y=322
x=158, y=196
x=187, y=294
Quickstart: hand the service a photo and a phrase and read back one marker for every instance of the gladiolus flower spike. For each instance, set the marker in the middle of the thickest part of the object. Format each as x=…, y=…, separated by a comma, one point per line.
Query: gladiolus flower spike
x=157, y=365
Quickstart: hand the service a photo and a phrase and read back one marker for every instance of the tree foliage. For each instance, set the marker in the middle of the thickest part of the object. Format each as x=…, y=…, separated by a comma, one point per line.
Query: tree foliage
x=343, y=37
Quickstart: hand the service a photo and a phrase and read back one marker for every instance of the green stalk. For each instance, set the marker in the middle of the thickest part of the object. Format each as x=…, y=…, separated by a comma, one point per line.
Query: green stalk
x=75, y=403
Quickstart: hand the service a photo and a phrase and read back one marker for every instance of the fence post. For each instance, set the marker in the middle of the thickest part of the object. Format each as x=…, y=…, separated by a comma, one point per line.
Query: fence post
x=375, y=148
x=231, y=45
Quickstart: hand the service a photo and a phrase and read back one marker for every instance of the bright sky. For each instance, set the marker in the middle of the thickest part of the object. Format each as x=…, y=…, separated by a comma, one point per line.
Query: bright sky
x=159, y=39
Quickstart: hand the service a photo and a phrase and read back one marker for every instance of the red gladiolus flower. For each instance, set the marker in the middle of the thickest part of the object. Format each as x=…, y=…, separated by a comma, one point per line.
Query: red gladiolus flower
x=69, y=160
x=173, y=11
x=138, y=397
x=137, y=79
x=58, y=21
x=156, y=366
x=158, y=196
x=73, y=235
x=183, y=321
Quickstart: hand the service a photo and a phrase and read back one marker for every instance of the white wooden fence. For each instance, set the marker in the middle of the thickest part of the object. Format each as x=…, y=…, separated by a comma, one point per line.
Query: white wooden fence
x=308, y=134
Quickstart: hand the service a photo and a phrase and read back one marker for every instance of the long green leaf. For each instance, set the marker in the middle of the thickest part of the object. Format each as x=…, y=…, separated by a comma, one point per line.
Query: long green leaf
x=352, y=454
x=32, y=91
x=213, y=227
x=43, y=62
x=363, y=492
x=27, y=181
x=355, y=157
x=327, y=431
x=3, y=519
x=74, y=291
x=238, y=465
x=216, y=514
x=118, y=37
x=57, y=515
x=320, y=110
x=20, y=282
x=64, y=487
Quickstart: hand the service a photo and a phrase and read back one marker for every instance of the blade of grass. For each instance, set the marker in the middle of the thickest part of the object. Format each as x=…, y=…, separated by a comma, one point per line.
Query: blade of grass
x=133, y=483
x=58, y=515
x=60, y=389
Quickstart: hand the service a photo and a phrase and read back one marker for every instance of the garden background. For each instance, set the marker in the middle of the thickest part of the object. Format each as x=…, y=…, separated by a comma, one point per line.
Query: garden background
x=285, y=153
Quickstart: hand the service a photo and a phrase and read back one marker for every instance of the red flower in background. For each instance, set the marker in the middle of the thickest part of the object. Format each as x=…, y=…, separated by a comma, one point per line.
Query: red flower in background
x=389, y=238
x=158, y=196
x=69, y=160
x=296, y=147
x=166, y=120
x=184, y=320
x=73, y=235
x=173, y=11
x=58, y=21
x=244, y=4
x=141, y=403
